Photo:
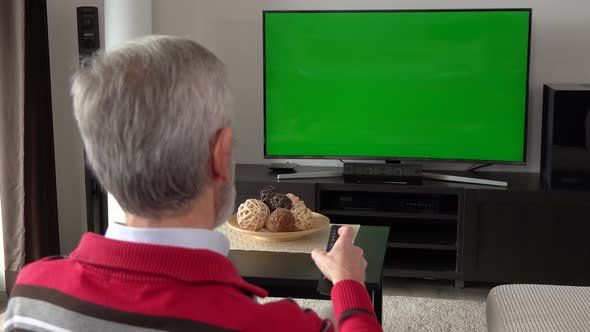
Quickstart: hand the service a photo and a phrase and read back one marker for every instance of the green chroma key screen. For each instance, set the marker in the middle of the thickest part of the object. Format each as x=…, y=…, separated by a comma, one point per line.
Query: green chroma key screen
x=397, y=84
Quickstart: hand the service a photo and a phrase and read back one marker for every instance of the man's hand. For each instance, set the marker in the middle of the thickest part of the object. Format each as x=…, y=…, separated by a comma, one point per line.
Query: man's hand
x=344, y=262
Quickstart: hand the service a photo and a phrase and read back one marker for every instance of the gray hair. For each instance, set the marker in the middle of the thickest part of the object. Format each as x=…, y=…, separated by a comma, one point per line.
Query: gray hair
x=147, y=112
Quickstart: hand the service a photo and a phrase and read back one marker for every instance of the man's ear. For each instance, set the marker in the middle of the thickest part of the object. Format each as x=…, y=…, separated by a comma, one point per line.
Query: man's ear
x=220, y=158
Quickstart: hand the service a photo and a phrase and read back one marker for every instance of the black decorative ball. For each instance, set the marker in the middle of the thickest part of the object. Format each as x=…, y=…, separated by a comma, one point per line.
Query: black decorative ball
x=280, y=201
x=267, y=194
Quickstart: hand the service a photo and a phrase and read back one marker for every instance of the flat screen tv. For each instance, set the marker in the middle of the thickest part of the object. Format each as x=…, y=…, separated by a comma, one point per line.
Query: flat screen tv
x=448, y=85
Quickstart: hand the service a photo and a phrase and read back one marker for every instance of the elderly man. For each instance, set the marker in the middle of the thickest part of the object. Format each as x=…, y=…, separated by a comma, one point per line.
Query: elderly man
x=155, y=119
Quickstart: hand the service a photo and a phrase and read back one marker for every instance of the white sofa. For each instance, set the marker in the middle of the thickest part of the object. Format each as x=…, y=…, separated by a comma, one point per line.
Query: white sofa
x=538, y=308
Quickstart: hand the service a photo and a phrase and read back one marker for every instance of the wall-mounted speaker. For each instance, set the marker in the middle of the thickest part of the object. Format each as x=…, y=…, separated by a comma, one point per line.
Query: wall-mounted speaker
x=88, y=30
x=565, y=153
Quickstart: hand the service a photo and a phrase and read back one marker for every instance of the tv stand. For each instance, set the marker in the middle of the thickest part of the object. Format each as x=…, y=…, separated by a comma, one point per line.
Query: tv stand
x=426, y=175
x=425, y=240
x=476, y=233
x=425, y=237
x=464, y=179
x=305, y=175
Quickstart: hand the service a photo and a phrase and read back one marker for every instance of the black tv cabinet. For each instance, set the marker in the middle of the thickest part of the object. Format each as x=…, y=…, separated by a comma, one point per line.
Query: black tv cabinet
x=424, y=240
x=461, y=232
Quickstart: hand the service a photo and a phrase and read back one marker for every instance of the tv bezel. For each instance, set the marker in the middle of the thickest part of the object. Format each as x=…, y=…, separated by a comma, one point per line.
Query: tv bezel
x=394, y=158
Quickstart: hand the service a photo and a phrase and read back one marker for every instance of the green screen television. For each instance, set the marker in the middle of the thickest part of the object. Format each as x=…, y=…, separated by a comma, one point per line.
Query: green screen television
x=440, y=85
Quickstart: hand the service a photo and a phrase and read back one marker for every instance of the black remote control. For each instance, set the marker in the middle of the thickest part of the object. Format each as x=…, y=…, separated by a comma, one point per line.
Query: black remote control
x=282, y=167
x=324, y=284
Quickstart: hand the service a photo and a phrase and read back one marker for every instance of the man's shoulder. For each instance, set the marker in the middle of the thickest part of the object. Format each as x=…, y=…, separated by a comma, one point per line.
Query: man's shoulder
x=44, y=268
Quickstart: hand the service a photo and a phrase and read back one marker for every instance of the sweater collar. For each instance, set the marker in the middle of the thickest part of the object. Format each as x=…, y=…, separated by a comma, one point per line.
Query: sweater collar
x=182, y=264
x=192, y=238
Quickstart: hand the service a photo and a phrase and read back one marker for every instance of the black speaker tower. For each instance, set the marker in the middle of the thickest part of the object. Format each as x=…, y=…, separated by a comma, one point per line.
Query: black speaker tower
x=96, y=197
x=565, y=154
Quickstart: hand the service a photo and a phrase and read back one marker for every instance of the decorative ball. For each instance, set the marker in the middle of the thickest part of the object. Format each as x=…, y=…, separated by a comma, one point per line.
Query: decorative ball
x=281, y=220
x=280, y=201
x=267, y=194
x=303, y=217
x=298, y=204
x=252, y=214
x=294, y=199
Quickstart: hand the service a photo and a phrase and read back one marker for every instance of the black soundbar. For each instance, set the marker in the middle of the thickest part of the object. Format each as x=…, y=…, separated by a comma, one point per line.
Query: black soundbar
x=393, y=173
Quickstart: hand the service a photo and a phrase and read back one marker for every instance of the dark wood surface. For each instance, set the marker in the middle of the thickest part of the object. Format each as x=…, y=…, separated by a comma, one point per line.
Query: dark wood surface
x=534, y=237
x=295, y=274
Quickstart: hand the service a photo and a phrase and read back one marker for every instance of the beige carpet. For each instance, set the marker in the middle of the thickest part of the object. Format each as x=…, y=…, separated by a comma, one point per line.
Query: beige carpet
x=402, y=313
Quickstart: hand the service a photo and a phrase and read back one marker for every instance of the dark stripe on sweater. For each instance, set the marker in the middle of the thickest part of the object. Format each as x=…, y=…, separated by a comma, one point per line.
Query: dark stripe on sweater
x=38, y=315
x=55, y=257
x=110, y=314
x=353, y=312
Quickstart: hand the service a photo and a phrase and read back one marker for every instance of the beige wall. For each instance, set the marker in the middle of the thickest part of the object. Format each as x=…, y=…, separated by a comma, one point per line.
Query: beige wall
x=69, y=156
x=232, y=29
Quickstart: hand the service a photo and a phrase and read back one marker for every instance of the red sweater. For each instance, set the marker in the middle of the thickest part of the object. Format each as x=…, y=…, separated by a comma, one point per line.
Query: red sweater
x=113, y=285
